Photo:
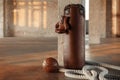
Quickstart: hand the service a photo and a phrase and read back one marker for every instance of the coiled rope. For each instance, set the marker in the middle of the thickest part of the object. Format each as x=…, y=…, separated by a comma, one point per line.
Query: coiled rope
x=89, y=72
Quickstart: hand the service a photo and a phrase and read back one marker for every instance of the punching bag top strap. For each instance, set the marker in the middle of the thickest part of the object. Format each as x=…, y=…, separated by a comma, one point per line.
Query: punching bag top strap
x=67, y=9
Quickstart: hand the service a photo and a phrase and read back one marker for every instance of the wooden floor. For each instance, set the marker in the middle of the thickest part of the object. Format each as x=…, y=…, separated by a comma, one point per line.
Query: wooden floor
x=26, y=51
x=108, y=51
x=21, y=58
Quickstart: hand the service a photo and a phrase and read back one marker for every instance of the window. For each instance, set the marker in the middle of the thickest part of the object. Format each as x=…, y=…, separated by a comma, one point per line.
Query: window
x=29, y=13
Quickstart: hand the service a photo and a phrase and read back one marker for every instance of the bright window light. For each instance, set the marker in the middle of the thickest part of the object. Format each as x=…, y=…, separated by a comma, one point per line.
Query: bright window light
x=87, y=9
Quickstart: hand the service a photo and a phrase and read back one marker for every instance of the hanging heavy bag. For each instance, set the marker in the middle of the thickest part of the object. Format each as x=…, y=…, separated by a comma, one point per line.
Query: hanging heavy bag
x=72, y=26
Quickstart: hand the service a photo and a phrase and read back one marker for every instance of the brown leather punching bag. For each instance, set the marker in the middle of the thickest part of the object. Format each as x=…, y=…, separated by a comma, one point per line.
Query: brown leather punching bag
x=73, y=28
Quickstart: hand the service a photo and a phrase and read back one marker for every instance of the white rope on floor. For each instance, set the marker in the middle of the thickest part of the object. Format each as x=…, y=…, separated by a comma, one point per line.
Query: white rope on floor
x=89, y=72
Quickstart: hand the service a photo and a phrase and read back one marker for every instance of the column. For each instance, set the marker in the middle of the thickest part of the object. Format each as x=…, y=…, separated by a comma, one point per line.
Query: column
x=1, y=19
x=97, y=21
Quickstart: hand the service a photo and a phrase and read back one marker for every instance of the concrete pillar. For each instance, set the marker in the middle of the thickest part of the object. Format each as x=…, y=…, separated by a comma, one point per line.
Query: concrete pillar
x=116, y=18
x=62, y=4
x=97, y=21
x=109, y=19
x=1, y=19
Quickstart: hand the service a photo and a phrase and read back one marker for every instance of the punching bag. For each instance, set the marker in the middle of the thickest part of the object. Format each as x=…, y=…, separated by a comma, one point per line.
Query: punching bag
x=73, y=28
